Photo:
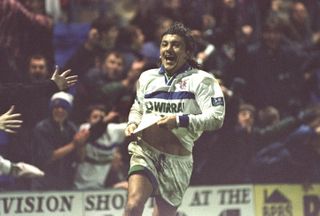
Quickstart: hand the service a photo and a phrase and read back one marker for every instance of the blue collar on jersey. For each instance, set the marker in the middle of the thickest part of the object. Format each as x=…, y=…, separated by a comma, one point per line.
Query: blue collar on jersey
x=169, y=80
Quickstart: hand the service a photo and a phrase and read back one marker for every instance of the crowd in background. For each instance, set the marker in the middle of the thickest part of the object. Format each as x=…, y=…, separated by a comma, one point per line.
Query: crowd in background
x=266, y=55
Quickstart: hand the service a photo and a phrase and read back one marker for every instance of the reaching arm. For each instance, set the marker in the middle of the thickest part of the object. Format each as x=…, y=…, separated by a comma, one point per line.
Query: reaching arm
x=79, y=140
x=20, y=10
x=10, y=121
x=15, y=93
x=63, y=80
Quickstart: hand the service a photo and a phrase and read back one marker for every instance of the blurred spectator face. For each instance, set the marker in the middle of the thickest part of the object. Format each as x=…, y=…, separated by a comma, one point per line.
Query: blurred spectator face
x=162, y=27
x=138, y=40
x=113, y=66
x=272, y=38
x=108, y=38
x=172, y=4
x=208, y=21
x=276, y=5
x=173, y=53
x=269, y=116
x=299, y=12
x=95, y=116
x=280, y=5
x=36, y=6
x=38, y=69
x=247, y=30
x=229, y=3
x=246, y=118
x=59, y=114
x=135, y=70
x=93, y=37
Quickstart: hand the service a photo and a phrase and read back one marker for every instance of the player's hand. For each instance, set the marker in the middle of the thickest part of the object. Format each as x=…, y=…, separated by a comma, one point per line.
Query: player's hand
x=63, y=80
x=129, y=129
x=10, y=121
x=169, y=122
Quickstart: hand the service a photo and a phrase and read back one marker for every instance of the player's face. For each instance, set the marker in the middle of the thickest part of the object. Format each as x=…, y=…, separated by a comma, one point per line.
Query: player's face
x=173, y=53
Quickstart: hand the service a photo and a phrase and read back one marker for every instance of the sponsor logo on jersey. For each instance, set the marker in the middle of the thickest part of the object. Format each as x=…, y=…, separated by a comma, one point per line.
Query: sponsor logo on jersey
x=164, y=107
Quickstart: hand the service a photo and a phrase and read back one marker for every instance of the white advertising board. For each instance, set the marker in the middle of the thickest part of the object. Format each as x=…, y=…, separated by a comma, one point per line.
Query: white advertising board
x=234, y=200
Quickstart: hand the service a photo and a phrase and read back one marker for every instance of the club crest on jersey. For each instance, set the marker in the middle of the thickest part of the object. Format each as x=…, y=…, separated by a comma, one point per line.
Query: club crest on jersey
x=217, y=101
x=182, y=84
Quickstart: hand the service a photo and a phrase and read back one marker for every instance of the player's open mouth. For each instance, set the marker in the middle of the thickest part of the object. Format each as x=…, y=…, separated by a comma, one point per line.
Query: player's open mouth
x=169, y=58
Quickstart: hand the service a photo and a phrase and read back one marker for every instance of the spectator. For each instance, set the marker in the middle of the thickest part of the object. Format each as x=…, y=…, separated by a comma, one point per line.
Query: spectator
x=21, y=94
x=38, y=68
x=273, y=71
x=33, y=110
x=311, y=71
x=119, y=95
x=303, y=146
x=36, y=110
x=98, y=154
x=55, y=141
x=110, y=86
x=302, y=26
x=108, y=28
x=86, y=55
x=234, y=149
x=112, y=68
x=129, y=43
x=292, y=160
x=101, y=37
x=25, y=29
x=151, y=49
x=89, y=93
x=9, y=122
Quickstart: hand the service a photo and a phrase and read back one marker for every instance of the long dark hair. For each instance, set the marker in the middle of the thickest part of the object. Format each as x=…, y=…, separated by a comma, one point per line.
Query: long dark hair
x=179, y=29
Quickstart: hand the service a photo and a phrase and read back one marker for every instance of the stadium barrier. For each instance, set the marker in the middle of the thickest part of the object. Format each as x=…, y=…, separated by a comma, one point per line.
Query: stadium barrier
x=231, y=200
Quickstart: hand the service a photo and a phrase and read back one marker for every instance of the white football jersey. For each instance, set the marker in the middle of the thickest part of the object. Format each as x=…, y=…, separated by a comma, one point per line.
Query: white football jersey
x=193, y=95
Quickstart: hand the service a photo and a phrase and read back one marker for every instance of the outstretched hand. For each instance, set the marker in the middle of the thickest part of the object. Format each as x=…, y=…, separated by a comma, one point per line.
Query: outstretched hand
x=26, y=170
x=10, y=121
x=63, y=80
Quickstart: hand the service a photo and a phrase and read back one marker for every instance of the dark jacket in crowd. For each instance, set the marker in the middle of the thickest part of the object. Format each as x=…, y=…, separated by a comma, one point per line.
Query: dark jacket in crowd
x=47, y=137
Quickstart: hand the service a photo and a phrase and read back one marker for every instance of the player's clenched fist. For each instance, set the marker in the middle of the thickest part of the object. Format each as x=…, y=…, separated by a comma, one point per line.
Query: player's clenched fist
x=129, y=129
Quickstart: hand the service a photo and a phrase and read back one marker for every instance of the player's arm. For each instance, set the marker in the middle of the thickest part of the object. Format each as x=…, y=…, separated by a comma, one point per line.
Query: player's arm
x=136, y=112
x=211, y=101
